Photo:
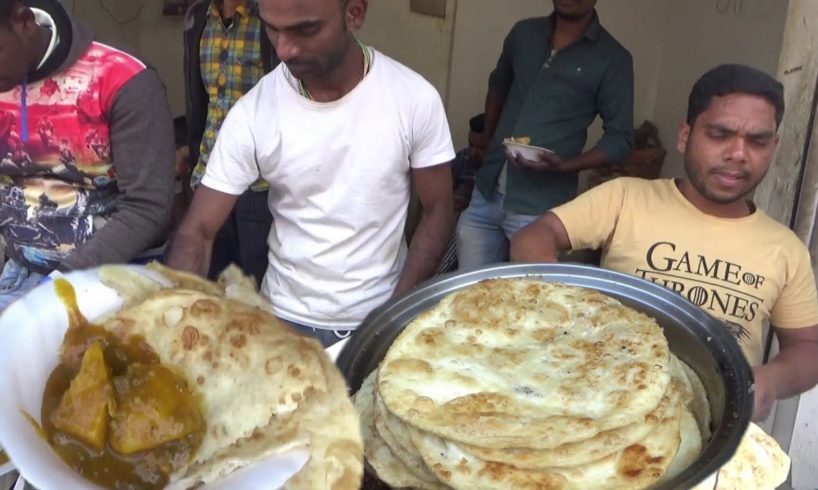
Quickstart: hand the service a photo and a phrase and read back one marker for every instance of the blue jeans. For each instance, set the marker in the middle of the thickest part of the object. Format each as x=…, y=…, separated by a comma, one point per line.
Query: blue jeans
x=327, y=337
x=15, y=281
x=484, y=231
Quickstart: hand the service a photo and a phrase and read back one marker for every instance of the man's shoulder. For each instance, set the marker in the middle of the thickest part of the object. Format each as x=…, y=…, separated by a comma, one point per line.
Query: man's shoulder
x=635, y=186
x=782, y=234
x=114, y=66
x=613, y=46
x=406, y=79
x=532, y=26
x=396, y=69
x=532, y=23
x=257, y=102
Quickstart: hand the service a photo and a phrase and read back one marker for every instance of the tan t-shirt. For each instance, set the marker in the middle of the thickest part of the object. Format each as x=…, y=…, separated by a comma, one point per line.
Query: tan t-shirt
x=744, y=271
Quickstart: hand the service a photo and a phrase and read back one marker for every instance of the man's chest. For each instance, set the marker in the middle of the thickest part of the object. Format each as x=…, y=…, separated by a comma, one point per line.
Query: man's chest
x=723, y=274
x=360, y=150
x=575, y=72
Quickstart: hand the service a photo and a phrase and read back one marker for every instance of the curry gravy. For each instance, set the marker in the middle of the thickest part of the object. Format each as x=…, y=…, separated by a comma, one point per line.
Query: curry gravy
x=153, y=416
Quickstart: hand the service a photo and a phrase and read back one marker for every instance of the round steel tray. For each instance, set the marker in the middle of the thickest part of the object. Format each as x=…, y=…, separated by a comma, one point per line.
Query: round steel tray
x=694, y=336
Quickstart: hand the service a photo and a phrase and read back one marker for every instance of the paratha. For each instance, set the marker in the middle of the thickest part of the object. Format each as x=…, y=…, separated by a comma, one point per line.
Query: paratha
x=637, y=466
x=699, y=404
x=521, y=140
x=388, y=467
x=690, y=446
x=394, y=432
x=677, y=372
x=525, y=363
x=580, y=452
x=263, y=388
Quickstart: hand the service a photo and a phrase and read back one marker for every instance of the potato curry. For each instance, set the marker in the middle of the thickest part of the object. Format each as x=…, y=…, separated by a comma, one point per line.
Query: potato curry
x=113, y=412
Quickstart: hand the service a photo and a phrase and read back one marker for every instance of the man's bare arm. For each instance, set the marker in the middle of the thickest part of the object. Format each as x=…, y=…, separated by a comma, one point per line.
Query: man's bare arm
x=792, y=372
x=192, y=245
x=495, y=103
x=540, y=241
x=433, y=186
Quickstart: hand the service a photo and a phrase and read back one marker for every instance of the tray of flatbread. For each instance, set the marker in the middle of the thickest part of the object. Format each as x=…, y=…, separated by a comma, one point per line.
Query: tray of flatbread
x=128, y=377
x=546, y=376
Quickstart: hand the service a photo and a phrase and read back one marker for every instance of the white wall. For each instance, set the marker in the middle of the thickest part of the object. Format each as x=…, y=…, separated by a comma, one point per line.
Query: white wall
x=160, y=43
x=698, y=37
x=139, y=26
x=120, y=26
x=420, y=42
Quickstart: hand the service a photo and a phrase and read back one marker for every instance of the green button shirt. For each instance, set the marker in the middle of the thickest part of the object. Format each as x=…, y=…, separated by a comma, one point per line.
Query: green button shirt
x=553, y=100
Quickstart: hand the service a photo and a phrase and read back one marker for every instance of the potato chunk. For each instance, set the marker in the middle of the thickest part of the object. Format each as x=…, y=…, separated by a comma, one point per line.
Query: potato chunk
x=154, y=407
x=83, y=410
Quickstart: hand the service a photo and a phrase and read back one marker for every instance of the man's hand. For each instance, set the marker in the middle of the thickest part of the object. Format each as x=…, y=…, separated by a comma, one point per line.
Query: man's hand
x=551, y=162
x=765, y=393
x=192, y=244
x=546, y=162
x=792, y=372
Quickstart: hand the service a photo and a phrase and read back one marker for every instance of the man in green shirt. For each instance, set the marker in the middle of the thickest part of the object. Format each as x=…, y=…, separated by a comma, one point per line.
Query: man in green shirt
x=554, y=76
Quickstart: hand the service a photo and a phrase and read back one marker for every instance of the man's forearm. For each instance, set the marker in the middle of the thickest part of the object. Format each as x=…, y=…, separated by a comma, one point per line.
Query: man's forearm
x=592, y=159
x=495, y=102
x=122, y=239
x=795, y=370
x=427, y=248
x=190, y=251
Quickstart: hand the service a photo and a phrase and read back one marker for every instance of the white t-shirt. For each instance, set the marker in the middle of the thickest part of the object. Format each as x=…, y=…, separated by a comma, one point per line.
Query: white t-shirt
x=339, y=175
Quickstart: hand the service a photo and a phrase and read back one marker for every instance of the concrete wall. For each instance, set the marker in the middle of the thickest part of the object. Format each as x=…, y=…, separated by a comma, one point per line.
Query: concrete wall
x=421, y=42
x=160, y=42
x=700, y=34
x=794, y=423
x=139, y=26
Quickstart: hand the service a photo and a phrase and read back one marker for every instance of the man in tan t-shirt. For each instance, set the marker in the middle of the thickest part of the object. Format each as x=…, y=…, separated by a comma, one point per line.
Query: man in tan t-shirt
x=701, y=237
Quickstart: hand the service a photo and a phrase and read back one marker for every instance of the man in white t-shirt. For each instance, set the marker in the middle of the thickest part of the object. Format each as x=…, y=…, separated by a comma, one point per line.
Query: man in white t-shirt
x=340, y=131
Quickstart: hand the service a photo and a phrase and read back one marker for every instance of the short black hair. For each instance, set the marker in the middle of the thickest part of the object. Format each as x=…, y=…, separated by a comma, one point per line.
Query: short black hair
x=734, y=79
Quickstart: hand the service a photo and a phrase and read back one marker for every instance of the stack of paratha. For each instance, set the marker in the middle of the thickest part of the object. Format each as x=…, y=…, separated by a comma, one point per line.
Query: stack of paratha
x=264, y=389
x=525, y=384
